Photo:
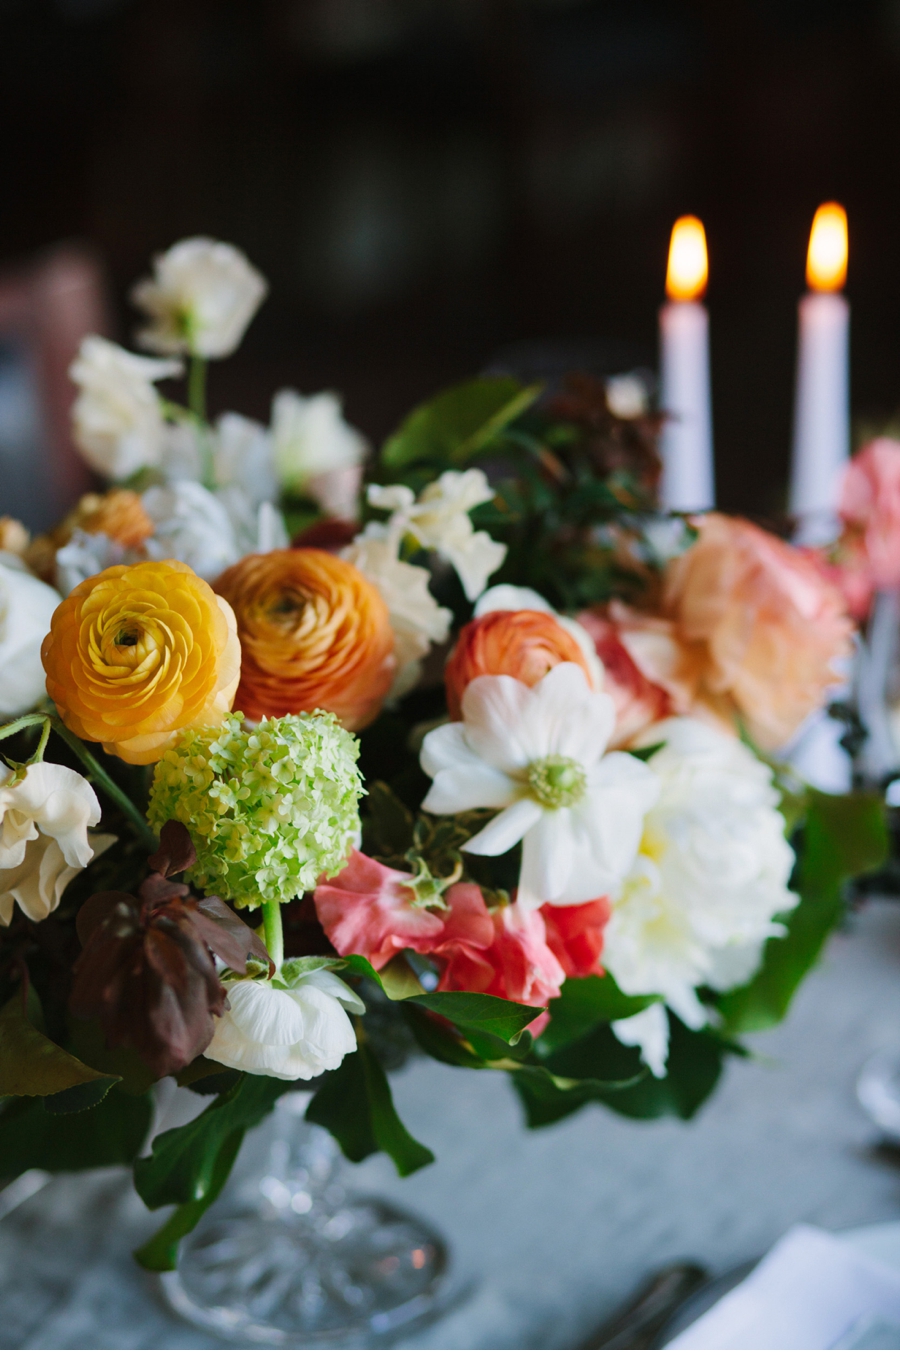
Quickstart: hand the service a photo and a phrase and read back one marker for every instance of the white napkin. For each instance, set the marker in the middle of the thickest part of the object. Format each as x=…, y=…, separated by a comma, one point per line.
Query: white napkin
x=812, y=1290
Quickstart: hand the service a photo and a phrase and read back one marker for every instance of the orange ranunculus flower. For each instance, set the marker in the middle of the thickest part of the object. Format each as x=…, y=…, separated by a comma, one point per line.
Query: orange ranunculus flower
x=118, y=513
x=138, y=653
x=520, y=644
x=315, y=634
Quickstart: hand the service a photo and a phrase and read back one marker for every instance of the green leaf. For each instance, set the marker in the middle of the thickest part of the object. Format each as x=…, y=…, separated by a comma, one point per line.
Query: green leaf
x=458, y=423
x=845, y=835
x=584, y=1003
x=182, y=1166
x=354, y=1103
x=695, y=1063
x=295, y=968
x=438, y=1041
x=30, y=1063
x=160, y=1253
x=110, y=1134
x=485, y=1014
x=88, y=1042
x=78, y=1098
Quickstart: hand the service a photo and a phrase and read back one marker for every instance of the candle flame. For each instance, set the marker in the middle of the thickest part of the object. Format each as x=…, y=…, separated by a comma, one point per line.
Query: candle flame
x=688, y=266
x=826, y=262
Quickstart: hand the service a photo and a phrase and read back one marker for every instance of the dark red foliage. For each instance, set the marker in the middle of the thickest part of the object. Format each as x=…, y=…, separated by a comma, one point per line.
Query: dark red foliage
x=332, y=533
x=146, y=970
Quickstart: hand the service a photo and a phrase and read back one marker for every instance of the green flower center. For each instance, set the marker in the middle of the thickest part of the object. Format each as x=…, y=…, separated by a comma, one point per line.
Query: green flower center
x=556, y=781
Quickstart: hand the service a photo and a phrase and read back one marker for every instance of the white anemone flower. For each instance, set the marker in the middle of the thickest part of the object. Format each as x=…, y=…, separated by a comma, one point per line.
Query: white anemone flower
x=117, y=418
x=292, y=1034
x=440, y=521
x=537, y=753
x=200, y=299
x=416, y=618
x=44, y=838
x=711, y=875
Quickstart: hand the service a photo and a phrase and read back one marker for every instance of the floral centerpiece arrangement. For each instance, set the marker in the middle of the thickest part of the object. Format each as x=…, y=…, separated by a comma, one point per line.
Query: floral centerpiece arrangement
x=315, y=755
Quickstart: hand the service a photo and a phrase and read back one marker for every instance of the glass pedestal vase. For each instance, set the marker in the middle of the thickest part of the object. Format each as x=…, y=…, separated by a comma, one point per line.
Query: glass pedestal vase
x=290, y=1257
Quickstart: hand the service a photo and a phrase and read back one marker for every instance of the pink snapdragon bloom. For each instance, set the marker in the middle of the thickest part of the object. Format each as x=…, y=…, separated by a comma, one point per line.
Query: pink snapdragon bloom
x=575, y=936
x=502, y=953
x=371, y=910
x=868, y=554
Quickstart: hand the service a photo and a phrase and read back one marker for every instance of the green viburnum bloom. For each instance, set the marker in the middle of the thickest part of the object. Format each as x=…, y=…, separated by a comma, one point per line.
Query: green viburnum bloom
x=270, y=809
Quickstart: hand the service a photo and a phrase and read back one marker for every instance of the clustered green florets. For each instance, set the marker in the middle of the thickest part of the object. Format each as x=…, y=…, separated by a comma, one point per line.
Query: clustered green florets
x=270, y=810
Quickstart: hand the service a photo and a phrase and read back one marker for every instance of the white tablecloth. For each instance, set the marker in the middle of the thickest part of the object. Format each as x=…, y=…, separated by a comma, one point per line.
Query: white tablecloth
x=558, y=1225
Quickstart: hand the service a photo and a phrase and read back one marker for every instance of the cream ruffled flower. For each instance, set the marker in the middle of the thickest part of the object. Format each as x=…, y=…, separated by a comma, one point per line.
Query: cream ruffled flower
x=200, y=299
x=537, y=753
x=317, y=452
x=44, y=839
x=416, y=618
x=191, y=525
x=292, y=1034
x=117, y=420
x=26, y=605
x=440, y=521
x=711, y=875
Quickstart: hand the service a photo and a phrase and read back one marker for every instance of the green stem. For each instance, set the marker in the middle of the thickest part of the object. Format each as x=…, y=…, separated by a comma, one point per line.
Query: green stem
x=25, y=721
x=273, y=932
x=197, y=387
x=107, y=784
x=42, y=745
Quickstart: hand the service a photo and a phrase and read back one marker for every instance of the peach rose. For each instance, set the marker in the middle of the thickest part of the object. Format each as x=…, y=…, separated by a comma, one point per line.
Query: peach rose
x=639, y=700
x=757, y=629
x=315, y=634
x=867, y=557
x=520, y=644
x=138, y=653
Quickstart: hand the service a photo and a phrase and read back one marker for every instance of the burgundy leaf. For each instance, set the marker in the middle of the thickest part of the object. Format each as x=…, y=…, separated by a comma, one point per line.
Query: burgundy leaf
x=247, y=938
x=96, y=909
x=157, y=889
x=176, y=850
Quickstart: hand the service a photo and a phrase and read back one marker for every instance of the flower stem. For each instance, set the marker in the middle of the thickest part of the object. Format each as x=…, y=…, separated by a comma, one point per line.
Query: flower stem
x=197, y=387
x=273, y=932
x=105, y=781
x=25, y=721
x=42, y=744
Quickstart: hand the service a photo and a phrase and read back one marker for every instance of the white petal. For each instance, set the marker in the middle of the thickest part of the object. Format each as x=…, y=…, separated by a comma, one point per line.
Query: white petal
x=575, y=720
x=333, y=986
x=264, y=1014
x=649, y=1031
x=462, y=780
x=547, y=853
x=506, y=829
x=506, y=597
x=501, y=722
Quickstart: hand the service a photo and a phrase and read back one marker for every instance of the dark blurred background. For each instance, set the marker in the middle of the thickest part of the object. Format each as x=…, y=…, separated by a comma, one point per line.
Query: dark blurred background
x=425, y=182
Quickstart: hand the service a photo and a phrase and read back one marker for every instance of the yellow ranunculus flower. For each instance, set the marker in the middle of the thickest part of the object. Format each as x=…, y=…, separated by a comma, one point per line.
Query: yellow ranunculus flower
x=140, y=652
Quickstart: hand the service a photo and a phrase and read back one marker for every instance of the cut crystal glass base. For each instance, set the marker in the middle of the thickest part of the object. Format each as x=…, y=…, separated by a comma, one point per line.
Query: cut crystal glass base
x=294, y=1259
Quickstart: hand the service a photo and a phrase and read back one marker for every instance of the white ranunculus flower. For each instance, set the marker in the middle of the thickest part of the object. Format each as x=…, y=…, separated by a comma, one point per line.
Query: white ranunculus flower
x=317, y=452
x=86, y=554
x=117, y=420
x=440, y=521
x=416, y=618
x=44, y=839
x=245, y=480
x=507, y=597
x=537, y=753
x=200, y=299
x=191, y=525
x=290, y=1034
x=711, y=875
x=26, y=606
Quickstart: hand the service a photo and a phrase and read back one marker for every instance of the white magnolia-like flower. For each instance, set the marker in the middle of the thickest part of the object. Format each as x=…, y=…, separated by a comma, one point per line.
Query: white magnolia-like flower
x=290, y=1034
x=44, y=838
x=26, y=606
x=317, y=452
x=649, y=1031
x=440, y=521
x=416, y=618
x=507, y=597
x=200, y=299
x=537, y=753
x=117, y=420
x=711, y=875
x=190, y=524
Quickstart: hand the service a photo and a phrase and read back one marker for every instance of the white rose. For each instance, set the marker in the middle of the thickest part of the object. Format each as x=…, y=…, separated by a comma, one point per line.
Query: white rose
x=711, y=875
x=26, y=606
x=416, y=618
x=44, y=838
x=317, y=452
x=191, y=525
x=117, y=420
x=200, y=299
x=290, y=1034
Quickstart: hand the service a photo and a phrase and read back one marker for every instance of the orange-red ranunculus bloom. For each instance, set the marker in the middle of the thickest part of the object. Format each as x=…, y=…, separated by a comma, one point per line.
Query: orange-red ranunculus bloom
x=139, y=652
x=315, y=634
x=520, y=644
